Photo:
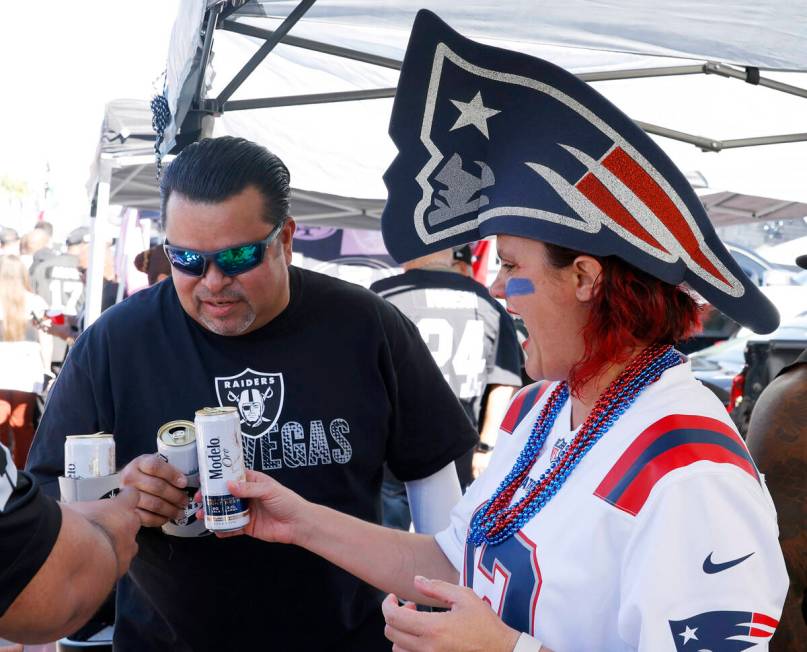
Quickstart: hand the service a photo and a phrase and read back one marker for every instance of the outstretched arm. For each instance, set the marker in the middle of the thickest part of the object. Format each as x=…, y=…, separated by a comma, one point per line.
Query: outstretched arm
x=95, y=544
x=386, y=558
x=394, y=561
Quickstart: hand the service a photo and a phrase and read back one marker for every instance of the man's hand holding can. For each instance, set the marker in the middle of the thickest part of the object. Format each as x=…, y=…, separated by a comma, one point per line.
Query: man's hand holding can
x=161, y=486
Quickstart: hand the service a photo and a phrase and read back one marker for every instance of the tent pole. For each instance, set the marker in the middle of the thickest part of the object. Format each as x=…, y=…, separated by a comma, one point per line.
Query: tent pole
x=640, y=73
x=95, y=268
x=727, y=71
x=210, y=27
x=297, y=100
x=763, y=140
x=316, y=46
x=265, y=49
x=125, y=182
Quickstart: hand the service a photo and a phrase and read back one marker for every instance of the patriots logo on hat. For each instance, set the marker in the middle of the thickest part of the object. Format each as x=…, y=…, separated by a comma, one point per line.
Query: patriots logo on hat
x=726, y=631
x=497, y=142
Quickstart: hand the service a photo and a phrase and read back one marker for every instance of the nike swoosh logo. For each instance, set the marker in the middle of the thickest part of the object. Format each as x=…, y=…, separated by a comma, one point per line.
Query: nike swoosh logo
x=710, y=567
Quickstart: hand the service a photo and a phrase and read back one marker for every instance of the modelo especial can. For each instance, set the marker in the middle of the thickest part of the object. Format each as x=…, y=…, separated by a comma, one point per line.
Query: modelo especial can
x=221, y=459
x=176, y=444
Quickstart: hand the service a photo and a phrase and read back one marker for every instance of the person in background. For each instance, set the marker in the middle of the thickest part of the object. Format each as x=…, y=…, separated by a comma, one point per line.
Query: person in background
x=777, y=438
x=154, y=264
x=40, y=243
x=473, y=341
x=32, y=243
x=24, y=356
x=57, y=280
x=9, y=241
x=79, y=248
x=59, y=562
x=47, y=227
x=329, y=382
x=109, y=288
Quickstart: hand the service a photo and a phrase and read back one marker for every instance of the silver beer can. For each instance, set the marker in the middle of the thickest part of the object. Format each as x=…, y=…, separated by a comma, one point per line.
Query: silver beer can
x=221, y=459
x=176, y=444
x=89, y=456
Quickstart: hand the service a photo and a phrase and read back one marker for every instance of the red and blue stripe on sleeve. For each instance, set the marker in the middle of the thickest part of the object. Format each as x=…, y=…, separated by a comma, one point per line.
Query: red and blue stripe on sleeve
x=671, y=443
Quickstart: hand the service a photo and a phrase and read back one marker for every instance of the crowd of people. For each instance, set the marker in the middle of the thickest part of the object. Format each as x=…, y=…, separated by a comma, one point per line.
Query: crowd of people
x=609, y=505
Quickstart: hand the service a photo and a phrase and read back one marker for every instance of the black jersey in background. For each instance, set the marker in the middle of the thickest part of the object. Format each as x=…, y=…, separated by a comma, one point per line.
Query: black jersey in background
x=469, y=334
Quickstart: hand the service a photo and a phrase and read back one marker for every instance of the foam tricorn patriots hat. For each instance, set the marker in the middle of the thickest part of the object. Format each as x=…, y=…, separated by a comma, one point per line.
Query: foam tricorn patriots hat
x=492, y=141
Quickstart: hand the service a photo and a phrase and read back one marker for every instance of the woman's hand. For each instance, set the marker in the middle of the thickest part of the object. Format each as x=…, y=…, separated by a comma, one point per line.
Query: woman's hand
x=469, y=626
x=274, y=511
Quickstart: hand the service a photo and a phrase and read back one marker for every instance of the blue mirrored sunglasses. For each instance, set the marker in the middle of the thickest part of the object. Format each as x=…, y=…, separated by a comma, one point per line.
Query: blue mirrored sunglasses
x=232, y=261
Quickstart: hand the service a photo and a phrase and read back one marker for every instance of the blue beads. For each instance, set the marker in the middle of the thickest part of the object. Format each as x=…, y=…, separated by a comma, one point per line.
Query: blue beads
x=486, y=525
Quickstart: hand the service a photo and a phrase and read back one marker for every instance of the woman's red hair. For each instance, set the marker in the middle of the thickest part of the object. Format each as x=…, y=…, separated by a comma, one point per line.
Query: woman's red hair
x=630, y=308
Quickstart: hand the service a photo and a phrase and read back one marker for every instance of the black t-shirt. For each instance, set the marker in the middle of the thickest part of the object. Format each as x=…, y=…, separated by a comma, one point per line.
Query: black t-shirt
x=29, y=526
x=329, y=390
x=469, y=334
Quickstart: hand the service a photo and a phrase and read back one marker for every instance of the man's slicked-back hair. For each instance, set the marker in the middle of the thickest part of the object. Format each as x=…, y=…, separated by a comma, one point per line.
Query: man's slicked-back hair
x=215, y=169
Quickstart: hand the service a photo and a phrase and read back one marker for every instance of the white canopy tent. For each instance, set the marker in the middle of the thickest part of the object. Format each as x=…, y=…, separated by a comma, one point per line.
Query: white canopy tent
x=646, y=57
x=321, y=100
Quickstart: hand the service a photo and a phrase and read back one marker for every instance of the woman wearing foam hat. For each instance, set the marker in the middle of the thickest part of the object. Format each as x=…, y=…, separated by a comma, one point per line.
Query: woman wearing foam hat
x=620, y=510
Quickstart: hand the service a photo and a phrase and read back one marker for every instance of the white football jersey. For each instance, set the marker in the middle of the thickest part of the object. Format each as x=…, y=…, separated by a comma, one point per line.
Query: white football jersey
x=664, y=537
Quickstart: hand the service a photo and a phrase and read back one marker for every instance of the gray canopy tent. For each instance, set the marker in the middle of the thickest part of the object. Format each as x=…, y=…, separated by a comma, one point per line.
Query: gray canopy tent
x=321, y=100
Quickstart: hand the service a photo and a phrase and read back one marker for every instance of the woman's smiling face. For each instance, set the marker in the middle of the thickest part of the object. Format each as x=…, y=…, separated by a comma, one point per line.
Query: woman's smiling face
x=546, y=298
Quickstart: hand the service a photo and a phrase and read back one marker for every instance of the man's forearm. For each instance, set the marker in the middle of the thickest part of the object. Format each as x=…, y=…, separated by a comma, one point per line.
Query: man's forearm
x=72, y=583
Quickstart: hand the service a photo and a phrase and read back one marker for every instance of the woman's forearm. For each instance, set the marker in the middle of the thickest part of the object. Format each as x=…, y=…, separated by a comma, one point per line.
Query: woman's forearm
x=386, y=558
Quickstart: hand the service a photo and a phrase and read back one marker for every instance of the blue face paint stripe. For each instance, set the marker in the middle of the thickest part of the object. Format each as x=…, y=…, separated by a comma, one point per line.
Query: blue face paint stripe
x=517, y=287
x=670, y=440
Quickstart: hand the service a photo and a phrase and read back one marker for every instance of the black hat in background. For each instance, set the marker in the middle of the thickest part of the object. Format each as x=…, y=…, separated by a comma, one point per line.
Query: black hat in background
x=463, y=253
x=801, y=261
x=77, y=236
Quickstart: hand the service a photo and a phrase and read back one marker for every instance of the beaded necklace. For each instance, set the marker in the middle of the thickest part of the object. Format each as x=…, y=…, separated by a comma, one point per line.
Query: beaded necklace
x=498, y=519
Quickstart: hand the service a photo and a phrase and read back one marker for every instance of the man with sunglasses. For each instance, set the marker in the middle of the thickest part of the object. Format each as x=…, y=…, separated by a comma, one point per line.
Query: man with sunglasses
x=344, y=382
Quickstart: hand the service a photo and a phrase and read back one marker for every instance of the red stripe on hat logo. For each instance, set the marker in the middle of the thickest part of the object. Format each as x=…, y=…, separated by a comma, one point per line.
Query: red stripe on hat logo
x=602, y=198
x=658, y=201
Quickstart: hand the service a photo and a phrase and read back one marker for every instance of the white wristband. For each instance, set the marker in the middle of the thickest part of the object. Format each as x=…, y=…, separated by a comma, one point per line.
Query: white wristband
x=527, y=643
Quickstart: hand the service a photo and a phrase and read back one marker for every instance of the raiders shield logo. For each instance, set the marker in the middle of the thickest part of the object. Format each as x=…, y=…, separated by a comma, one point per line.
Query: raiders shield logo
x=258, y=397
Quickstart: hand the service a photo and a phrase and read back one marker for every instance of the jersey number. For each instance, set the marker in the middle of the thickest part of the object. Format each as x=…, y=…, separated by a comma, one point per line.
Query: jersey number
x=508, y=578
x=469, y=358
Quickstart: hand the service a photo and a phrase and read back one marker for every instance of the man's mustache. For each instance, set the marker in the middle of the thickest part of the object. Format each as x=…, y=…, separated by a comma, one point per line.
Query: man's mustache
x=204, y=295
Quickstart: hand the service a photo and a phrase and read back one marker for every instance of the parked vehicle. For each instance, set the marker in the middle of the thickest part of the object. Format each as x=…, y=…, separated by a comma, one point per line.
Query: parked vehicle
x=762, y=271
x=763, y=361
x=720, y=366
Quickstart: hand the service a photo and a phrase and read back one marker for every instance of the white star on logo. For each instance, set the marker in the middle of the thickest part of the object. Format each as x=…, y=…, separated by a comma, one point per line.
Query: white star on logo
x=474, y=113
x=688, y=634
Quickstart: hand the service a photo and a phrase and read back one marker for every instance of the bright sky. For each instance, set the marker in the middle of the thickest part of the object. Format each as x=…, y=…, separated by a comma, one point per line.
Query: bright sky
x=62, y=61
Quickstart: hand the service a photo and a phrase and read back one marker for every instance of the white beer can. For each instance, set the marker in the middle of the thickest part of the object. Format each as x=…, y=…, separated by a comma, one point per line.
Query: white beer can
x=89, y=456
x=176, y=444
x=221, y=459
